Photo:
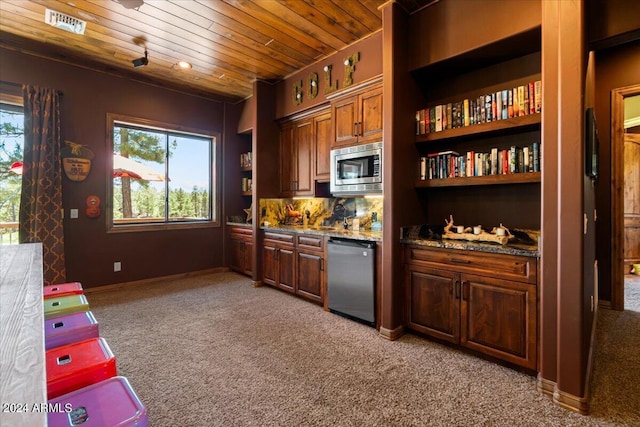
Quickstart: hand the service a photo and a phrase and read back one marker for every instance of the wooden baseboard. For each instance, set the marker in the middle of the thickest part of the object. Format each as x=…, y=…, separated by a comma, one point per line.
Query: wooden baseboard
x=116, y=286
x=545, y=386
x=392, y=334
x=571, y=402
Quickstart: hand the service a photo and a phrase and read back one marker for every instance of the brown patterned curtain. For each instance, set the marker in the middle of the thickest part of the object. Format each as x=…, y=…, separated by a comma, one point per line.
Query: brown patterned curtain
x=41, y=199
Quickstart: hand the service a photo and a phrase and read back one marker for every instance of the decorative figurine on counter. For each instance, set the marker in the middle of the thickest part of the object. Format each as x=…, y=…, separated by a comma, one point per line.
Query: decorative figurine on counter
x=500, y=234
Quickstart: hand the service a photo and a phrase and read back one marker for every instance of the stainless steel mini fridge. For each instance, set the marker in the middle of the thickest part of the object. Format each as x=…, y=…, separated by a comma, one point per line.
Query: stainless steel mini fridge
x=351, y=278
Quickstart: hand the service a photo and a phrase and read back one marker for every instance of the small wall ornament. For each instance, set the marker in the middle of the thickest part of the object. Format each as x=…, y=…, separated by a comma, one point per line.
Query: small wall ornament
x=76, y=160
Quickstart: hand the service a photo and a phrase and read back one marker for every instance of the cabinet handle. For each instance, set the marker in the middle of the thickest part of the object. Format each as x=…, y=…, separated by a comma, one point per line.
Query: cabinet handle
x=460, y=261
x=275, y=256
x=359, y=128
x=465, y=291
x=456, y=286
x=355, y=129
x=321, y=264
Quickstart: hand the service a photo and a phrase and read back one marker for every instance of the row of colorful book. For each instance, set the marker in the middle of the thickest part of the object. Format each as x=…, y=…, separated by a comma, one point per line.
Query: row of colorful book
x=500, y=105
x=450, y=164
x=245, y=160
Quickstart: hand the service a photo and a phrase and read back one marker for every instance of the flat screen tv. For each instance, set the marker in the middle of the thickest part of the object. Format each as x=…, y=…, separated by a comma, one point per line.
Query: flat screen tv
x=591, y=144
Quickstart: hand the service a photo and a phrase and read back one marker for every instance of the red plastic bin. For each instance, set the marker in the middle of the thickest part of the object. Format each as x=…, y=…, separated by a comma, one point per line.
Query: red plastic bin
x=78, y=365
x=111, y=402
x=63, y=289
x=69, y=329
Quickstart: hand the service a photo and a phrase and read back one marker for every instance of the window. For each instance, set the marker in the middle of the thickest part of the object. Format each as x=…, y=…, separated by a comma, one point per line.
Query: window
x=161, y=176
x=11, y=149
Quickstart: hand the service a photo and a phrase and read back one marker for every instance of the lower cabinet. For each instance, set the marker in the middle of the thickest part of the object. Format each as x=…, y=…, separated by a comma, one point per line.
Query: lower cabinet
x=310, y=266
x=278, y=261
x=485, y=302
x=240, y=250
x=294, y=263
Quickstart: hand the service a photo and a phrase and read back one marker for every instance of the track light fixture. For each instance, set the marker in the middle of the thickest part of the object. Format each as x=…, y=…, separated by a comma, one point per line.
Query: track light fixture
x=141, y=62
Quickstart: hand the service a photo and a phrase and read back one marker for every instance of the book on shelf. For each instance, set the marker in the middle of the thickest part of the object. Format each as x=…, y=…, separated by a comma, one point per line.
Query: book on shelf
x=245, y=160
x=499, y=105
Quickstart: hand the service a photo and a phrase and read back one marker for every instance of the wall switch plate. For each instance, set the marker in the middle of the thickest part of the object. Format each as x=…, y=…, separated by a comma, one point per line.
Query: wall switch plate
x=117, y=266
x=73, y=213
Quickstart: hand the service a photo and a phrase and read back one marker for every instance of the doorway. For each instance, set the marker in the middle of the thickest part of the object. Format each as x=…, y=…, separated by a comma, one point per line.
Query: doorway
x=625, y=157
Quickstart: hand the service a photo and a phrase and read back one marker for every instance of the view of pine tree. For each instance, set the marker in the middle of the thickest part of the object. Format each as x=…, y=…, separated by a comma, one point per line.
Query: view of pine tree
x=11, y=134
x=136, y=145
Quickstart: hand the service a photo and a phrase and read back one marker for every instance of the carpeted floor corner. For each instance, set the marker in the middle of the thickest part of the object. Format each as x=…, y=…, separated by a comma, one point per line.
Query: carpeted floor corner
x=214, y=351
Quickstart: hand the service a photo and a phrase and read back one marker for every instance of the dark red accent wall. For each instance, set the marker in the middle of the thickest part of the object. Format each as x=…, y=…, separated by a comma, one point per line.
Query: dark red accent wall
x=88, y=97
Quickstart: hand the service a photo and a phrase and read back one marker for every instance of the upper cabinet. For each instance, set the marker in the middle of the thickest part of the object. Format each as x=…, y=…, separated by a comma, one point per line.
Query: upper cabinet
x=296, y=143
x=322, y=129
x=357, y=117
x=304, y=154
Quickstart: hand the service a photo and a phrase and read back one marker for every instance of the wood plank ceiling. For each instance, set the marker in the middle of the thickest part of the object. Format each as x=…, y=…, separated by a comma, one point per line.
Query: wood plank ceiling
x=230, y=43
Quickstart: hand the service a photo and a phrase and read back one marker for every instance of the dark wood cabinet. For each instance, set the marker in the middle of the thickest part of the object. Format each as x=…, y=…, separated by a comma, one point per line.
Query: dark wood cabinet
x=240, y=250
x=322, y=129
x=278, y=260
x=483, y=301
x=295, y=263
x=357, y=118
x=296, y=145
x=305, y=145
x=310, y=264
x=432, y=305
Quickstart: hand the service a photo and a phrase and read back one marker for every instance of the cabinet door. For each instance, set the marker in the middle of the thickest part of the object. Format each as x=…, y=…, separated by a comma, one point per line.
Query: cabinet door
x=303, y=142
x=498, y=318
x=322, y=125
x=286, y=270
x=269, y=265
x=310, y=275
x=345, y=116
x=287, y=160
x=432, y=306
x=248, y=257
x=370, y=116
x=236, y=255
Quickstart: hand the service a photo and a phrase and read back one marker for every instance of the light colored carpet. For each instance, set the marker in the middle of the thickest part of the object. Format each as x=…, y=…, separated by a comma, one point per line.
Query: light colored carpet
x=632, y=292
x=214, y=351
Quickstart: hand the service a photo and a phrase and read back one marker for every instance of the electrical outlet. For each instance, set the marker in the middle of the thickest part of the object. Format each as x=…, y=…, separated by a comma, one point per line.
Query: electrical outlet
x=73, y=213
x=117, y=266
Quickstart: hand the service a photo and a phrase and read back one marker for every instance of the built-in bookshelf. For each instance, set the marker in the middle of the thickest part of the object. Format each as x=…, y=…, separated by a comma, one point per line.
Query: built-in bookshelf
x=247, y=172
x=478, y=139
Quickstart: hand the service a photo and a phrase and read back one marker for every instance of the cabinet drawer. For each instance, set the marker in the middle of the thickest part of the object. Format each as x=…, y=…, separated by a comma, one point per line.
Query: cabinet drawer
x=275, y=237
x=511, y=267
x=312, y=243
x=241, y=232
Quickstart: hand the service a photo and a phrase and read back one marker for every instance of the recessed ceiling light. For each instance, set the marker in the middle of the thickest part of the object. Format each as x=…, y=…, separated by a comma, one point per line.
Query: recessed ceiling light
x=184, y=65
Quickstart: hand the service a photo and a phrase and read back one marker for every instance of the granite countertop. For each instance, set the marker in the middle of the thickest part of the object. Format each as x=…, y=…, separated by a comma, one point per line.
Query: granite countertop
x=522, y=249
x=239, y=224
x=368, y=235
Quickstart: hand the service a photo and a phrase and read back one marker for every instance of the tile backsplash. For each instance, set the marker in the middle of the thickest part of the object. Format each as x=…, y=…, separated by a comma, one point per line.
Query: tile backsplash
x=323, y=212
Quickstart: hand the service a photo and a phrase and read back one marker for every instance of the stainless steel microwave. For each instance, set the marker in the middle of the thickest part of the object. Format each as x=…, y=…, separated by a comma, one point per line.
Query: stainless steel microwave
x=357, y=169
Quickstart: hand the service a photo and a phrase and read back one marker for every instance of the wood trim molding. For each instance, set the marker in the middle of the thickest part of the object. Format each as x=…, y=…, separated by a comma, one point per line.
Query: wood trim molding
x=355, y=88
x=392, y=334
x=545, y=386
x=571, y=402
x=617, y=193
x=116, y=286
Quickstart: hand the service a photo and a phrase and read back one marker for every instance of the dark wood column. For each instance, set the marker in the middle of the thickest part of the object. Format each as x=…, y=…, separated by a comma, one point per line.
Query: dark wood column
x=401, y=205
x=564, y=56
x=548, y=286
x=266, y=162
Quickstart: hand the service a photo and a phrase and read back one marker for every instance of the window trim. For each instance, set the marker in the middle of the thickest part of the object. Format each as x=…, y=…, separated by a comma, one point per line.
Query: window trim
x=164, y=127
